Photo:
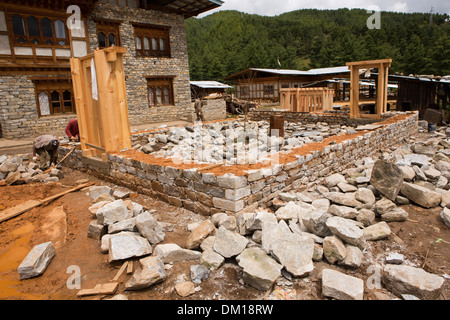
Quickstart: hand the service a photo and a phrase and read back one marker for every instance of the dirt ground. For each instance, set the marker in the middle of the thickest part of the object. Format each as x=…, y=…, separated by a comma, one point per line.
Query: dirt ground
x=423, y=239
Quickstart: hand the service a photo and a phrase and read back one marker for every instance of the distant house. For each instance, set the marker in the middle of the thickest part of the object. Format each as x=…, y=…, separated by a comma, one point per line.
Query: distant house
x=265, y=84
x=200, y=89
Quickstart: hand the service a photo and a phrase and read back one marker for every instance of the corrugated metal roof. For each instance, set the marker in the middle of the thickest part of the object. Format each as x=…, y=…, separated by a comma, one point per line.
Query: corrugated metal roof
x=329, y=70
x=282, y=71
x=311, y=72
x=210, y=85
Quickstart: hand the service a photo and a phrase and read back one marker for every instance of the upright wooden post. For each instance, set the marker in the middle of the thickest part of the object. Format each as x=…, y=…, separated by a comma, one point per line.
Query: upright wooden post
x=277, y=123
x=103, y=122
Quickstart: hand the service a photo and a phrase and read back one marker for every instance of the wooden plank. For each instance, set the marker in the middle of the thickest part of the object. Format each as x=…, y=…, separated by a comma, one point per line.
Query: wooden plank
x=105, y=288
x=18, y=210
x=81, y=186
x=130, y=267
x=120, y=272
x=24, y=207
x=369, y=63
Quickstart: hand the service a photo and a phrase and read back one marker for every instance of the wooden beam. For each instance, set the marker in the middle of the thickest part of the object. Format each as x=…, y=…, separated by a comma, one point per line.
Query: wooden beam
x=24, y=207
x=368, y=63
x=106, y=288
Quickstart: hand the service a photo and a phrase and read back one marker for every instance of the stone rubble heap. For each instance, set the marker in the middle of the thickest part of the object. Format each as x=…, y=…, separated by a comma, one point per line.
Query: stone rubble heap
x=16, y=170
x=216, y=142
x=336, y=222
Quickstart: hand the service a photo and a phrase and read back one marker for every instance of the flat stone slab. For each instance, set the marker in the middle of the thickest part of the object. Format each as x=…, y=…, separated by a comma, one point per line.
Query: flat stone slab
x=402, y=279
x=113, y=212
x=126, y=245
x=260, y=270
x=151, y=272
x=228, y=243
x=37, y=261
x=421, y=195
x=171, y=252
x=341, y=286
x=346, y=230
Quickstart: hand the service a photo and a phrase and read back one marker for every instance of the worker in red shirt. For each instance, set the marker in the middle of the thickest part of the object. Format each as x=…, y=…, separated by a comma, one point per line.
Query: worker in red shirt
x=72, y=130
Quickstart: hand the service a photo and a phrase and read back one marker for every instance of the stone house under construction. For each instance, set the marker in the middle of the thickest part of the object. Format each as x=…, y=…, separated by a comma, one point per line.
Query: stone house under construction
x=36, y=45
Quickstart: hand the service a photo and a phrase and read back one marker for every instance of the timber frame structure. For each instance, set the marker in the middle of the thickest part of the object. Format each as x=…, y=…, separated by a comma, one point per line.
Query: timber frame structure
x=381, y=86
x=101, y=102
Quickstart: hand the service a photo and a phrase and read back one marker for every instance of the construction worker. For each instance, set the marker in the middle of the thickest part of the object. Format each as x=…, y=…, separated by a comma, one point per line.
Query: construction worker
x=46, y=146
x=72, y=131
x=199, y=110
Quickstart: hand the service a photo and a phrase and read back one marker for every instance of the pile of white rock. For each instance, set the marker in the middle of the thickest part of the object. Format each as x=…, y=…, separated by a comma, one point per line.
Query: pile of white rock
x=16, y=170
x=233, y=142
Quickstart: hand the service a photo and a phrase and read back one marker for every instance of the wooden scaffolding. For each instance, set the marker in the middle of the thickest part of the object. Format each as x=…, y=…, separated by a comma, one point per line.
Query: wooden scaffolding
x=101, y=102
x=381, y=86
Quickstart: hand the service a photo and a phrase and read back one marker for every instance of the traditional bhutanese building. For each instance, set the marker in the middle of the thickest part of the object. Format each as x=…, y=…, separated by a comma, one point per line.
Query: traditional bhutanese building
x=38, y=38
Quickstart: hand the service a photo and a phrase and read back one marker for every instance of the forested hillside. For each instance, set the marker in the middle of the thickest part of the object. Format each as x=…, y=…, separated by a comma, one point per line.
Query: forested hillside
x=227, y=42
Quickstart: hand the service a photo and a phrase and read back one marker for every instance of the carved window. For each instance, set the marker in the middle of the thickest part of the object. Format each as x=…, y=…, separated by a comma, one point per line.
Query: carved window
x=152, y=41
x=54, y=96
x=160, y=91
x=108, y=33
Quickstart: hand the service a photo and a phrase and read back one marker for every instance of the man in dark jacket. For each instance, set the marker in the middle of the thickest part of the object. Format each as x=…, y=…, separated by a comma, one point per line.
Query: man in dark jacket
x=46, y=146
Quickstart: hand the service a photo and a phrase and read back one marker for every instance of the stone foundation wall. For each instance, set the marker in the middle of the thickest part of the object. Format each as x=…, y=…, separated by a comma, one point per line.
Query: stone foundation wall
x=206, y=193
x=18, y=111
x=332, y=118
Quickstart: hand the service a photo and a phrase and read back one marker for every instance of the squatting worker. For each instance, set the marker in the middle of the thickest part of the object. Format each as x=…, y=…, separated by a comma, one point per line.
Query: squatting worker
x=72, y=130
x=46, y=146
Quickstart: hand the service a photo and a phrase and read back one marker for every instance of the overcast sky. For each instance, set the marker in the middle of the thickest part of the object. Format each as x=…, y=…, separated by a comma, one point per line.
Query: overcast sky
x=273, y=8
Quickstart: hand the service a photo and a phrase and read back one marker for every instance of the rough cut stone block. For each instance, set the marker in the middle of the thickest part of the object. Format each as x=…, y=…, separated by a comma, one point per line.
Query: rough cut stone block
x=231, y=181
x=228, y=205
x=341, y=286
x=228, y=243
x=151, y=272
x=171, y=252
x=149, y=228
x=113, y=212
x=37, y=260
x=200, y=233
x=402, y=279
x=127, y=245
x=96, y=230
x=96, y=191
x=260, y=270
x=421, y=195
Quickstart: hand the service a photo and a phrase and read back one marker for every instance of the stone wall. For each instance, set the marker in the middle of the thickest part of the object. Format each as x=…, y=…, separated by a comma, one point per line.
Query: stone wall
x=212, y=110
x=207, y=193
x=18, y=111
x=137, y=68
x=337, y=117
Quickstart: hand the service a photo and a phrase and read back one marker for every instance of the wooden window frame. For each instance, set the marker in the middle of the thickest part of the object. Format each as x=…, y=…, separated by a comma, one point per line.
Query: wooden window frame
x=245, y=91
x=152, y=31
x=269, y=90
x=49, y=85
x=108, y=27
x=160, y=82
x=28, y=40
